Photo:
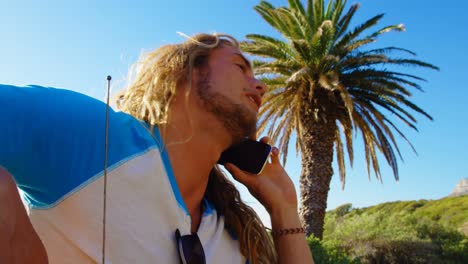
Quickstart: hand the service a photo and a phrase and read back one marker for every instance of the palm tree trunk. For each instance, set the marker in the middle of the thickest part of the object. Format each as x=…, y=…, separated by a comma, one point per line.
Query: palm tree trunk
x=317, y=157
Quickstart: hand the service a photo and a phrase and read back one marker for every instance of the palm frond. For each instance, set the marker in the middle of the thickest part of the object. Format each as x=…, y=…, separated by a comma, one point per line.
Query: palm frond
x=269, y=14
x=348, y=37
x=340, y=157
x=388, y=50
x=343, y=22
x=409, y=62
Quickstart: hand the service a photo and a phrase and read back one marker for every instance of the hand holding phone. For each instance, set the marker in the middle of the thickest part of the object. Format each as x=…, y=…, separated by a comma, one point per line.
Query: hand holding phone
x=249, y=155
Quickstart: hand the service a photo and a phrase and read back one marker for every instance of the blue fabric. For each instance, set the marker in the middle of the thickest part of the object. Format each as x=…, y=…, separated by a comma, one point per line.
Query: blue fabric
x=52, y=140
x=209, y=207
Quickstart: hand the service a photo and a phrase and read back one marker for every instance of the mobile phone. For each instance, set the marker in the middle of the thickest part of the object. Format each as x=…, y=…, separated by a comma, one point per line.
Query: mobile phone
x=249, y=155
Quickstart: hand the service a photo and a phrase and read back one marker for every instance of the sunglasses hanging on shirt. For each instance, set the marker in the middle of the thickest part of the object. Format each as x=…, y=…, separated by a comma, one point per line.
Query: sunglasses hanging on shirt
x=190, y=249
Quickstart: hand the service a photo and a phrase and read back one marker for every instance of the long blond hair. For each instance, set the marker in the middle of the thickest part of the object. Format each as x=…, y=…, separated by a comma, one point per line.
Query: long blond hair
x=148, y=97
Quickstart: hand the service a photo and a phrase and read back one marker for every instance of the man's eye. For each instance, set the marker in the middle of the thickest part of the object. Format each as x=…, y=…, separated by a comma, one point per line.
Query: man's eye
x=242, y=67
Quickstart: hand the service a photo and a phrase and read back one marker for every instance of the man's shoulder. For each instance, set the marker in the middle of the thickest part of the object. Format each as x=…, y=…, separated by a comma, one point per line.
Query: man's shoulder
x=45, y=103
x=54, y=140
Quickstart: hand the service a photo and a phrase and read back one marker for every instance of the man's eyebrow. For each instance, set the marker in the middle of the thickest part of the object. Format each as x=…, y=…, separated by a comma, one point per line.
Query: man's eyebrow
x=246, y=61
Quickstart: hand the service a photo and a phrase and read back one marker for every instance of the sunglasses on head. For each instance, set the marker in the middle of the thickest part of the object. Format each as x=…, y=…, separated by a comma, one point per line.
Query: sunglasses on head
x=190, y=249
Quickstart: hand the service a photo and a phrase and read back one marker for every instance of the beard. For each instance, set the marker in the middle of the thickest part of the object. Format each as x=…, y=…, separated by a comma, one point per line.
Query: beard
x=237, y=119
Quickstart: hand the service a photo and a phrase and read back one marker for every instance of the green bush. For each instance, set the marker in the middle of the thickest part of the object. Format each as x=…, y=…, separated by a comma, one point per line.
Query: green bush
x=398, y=232
x=328, y=252
x=342, y=210
x=396, y=252
x=450, y=244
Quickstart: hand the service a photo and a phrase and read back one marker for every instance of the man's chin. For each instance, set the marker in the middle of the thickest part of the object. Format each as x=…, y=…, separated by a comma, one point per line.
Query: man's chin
x=237, y=140
x=250, y=133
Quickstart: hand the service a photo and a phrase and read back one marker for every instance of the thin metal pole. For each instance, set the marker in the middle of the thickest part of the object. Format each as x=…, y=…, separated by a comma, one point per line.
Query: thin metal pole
x=106, y=147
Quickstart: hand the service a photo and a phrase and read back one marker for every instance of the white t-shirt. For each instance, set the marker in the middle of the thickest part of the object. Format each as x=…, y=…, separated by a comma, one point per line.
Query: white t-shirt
x=53, y=144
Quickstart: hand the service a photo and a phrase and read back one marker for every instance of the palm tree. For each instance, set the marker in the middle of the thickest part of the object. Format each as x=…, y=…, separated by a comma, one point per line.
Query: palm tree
x=326, y=85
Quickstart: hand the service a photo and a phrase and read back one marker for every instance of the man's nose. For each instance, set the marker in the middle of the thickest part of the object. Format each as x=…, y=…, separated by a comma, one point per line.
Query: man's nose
x=260, y=87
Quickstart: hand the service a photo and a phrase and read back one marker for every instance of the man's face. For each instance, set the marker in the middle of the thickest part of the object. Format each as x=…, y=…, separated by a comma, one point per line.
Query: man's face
x=229, y=90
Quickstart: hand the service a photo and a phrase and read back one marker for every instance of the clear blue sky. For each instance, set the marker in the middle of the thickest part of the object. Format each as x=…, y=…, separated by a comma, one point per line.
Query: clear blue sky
x=75, y=45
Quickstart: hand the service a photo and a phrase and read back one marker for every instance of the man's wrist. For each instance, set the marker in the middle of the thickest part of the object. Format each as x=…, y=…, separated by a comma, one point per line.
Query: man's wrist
x=287, y=231
x=285, y=218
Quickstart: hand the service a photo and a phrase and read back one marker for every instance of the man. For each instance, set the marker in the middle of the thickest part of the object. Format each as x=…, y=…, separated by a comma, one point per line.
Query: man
x=165, y=199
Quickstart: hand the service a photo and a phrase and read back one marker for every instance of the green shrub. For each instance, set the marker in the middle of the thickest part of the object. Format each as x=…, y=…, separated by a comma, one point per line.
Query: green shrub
x=396, y=252
x=342, y=210
x=397, y=232
x=329, y=252
x=451, y=244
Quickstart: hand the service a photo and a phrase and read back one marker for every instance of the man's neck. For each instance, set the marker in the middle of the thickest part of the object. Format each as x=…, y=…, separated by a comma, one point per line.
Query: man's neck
x=191, y=160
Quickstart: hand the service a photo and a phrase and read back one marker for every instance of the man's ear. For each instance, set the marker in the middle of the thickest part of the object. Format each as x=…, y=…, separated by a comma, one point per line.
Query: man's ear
x=198, y=73
x=195, y=75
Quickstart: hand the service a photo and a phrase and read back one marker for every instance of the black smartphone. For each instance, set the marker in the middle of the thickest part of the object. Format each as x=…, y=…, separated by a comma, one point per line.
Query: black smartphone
x=249, y=155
